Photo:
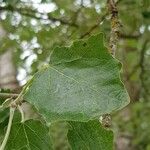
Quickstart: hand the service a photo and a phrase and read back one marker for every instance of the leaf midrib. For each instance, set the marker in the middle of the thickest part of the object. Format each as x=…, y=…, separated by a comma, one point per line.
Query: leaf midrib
x=62, y=74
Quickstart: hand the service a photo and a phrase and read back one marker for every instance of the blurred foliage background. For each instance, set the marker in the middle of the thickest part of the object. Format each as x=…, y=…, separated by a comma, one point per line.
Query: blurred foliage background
x=30, y=29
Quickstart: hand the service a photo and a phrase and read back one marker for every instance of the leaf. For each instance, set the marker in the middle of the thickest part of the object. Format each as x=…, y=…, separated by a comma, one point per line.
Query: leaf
x=89, y=136
x=4, y=115
x=30, y=135
x=81, y=83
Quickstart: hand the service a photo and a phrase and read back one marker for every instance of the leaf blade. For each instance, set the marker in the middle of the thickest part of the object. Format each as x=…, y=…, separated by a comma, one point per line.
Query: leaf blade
x=89, y=136
x=79, y=84
x=31, y=134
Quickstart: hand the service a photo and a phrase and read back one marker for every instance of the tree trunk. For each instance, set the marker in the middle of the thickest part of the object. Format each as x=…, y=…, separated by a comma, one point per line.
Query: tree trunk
x=7, y=68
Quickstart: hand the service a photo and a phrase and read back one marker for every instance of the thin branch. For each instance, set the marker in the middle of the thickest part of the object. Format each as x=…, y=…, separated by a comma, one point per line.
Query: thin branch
x=32, y=14
x=121, y=35
x=94, y=26
x=141, y=63
x=126, y=36
x=8, y=95
x=115, y=26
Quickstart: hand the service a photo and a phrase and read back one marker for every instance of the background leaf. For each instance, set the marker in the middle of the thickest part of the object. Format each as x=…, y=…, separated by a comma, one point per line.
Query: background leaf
x=30, y=135
x=89, y=136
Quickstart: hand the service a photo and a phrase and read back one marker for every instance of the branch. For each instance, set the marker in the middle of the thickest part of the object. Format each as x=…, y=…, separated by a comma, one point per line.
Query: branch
x=32, y=14
x=126, y=36
x=141, y=63
x=8, y=95
x=121, y=35
x=94, y=26
x=115, y=26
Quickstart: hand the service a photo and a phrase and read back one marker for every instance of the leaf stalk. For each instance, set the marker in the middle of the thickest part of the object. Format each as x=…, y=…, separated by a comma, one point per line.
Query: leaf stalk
x=12, y=110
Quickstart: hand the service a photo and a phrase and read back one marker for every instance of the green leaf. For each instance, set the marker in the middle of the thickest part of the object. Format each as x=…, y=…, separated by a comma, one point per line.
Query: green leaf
x=81, y=83
x=30, y=135
x=89, y=136
x=4, y=115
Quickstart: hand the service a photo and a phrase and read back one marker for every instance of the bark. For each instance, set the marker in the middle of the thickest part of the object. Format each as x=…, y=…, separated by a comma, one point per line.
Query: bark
x=7, y=68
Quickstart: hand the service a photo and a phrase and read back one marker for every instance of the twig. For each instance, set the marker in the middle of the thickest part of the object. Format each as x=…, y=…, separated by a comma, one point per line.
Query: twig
x=115, y=26
x=102, y=19
x=94, y=26
x=8, y=95
x=32, y=14
x=126, y=36
x=141, y=64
